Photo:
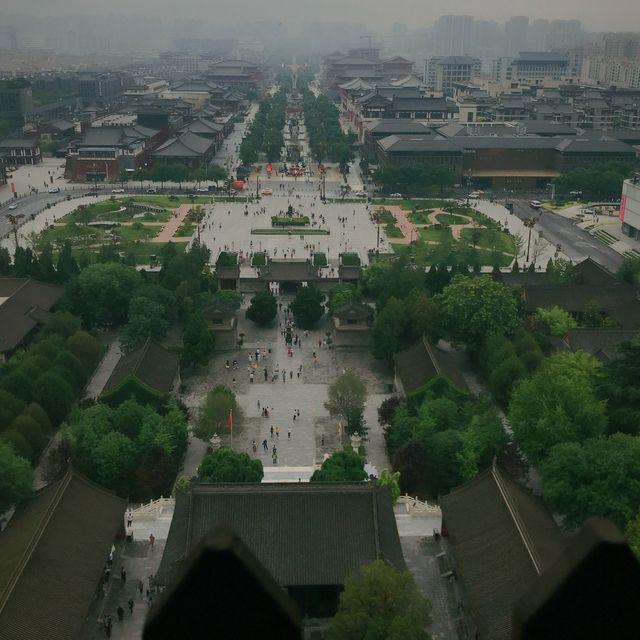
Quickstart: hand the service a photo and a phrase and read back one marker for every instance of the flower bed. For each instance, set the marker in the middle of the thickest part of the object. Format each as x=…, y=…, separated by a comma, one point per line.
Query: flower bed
x=319, y=260
x=286, y=221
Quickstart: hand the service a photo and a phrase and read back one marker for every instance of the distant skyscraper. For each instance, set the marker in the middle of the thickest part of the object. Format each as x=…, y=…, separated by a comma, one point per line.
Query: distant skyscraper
x=452, y=35
x=516, y=31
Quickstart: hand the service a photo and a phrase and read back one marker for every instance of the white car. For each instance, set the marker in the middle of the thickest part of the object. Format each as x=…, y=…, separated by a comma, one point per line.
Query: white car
x=475, y=194
x=202, y=190
x=54, y=190
x=535, y=204
x=396, y=196
x=117, y=190
x=13, y=206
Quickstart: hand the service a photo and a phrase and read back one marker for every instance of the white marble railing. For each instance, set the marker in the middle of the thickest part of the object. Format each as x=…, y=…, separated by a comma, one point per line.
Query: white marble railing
x=153, y=509
x=417, y=507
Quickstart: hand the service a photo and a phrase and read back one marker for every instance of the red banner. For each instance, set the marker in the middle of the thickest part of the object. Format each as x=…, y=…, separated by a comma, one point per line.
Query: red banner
x=623, y=204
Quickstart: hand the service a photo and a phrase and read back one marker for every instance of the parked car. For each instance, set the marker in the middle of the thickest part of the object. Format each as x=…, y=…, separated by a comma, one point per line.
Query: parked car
x=266, y=192
x=13, y=206
x=152, y=190
x=396, y=196
x=117, y=190
x=202, y=190
x=475, y=194
x=54, y=190
x=361, y=194
x=535, y=204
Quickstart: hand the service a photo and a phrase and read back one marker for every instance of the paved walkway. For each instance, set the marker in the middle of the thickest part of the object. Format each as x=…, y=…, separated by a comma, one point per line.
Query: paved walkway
x=314, y=434
x=103, y=372
x=170, y=227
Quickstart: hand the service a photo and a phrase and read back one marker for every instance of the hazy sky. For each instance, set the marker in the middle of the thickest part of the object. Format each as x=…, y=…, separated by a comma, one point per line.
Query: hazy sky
x=596, y=15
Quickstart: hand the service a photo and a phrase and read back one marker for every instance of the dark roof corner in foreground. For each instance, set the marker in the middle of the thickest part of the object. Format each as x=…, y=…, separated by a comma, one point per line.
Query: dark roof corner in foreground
x=223, y=575
x=52, y=557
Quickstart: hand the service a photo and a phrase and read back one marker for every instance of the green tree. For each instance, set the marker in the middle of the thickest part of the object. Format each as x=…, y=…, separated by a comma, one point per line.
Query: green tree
x=629, y=271
x=387, y=330
x=30, y=430
x=114, y=459
x=62, y=323
x=632, y=533
x=226, y=465
x=392, y=480
x=54, y=395
x=307, y=306
x=16, y=478
x=6, y=268
x=146, y=320
x=155, y=474
x=346, y=397
x=381, y=603
x=341, y=466
x=474, y=308
x=554, y=321
x=216, y=173
x=618, y=386
x=10, y=407
x=197, y=342
x=342, y=294
x=263, y=308
x=546, y=410
x=86, y=348
x=101, y=294
x=214, y=412
x=599, y=477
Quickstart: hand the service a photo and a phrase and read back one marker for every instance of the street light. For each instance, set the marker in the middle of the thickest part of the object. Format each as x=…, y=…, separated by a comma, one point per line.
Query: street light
x=529, y=222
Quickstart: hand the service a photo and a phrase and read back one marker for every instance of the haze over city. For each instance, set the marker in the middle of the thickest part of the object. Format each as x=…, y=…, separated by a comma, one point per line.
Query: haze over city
x=595, y=15
x=319, y=320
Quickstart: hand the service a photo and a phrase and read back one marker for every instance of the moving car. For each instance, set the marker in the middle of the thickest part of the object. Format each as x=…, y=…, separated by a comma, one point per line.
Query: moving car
x=396, y=196
x=152, y=190
x=535, y=204
x=202, y=190
x=361, y=194
x=13, y=205
x=54, y=190
x=117, y=190
x=475, y=194
x=266, y=192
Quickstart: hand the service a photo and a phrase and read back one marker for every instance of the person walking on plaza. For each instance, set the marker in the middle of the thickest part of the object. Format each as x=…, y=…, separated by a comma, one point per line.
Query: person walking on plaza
x=130, y=605
x=152, y=540
x=123, y=575
x=272, y=431
x=129, y=519
x=140, y=587
x=265, y=446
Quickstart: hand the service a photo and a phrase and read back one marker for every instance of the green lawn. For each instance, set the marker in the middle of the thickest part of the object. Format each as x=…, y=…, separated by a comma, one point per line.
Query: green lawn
x=429, y=234
x=490, y=239
x=420, y=217
x=450, y=218
x=134, y=232
x=186, y=229
x=110, y=210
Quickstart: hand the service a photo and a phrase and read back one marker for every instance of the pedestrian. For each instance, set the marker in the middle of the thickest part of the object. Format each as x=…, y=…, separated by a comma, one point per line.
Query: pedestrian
x=322, y=440
x=294, y=416
x=265, y=446
x=277, y=432
x=298, y=412
x=290, y=375
x=107, y=575
x=272, y=431
x=123, y=574
x=284, y=375
x=258, y=403
x=130, y=604
x=129, y=519
x=152, y=540
x=120, y=612
x=140, y=587
x=289, y=434
x=107, y=626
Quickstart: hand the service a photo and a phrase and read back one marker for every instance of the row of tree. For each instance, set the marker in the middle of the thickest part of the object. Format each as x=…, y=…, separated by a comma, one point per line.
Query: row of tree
x=132, y=449
x=176, y=172
x=266, y=132
x=597, y=182
x=415, y=179
x=38, y=387
x=326, y=138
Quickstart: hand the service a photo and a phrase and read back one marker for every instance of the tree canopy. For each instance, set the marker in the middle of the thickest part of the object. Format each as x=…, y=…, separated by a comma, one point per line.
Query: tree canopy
x=598, y=477
x=263, y=308
x=214, y=412
x=307, y=306
x=16, y=478
x=226, y=465
x=346, y=397
x=557, y=404
x=341, y=466
x=381, y=603
x=474, y=308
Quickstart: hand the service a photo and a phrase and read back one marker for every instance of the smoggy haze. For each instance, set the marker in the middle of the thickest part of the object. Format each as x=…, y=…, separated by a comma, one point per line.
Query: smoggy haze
x=623, y=15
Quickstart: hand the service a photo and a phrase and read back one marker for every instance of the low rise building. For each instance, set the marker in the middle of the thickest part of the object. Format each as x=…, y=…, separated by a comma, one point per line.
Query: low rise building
x=20, y=151
x=630, y=208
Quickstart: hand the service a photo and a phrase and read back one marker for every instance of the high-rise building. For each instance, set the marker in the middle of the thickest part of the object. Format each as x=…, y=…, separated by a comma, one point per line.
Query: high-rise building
x=622, y=46
x=442, y=72
x=516, y=32
x=452, y=35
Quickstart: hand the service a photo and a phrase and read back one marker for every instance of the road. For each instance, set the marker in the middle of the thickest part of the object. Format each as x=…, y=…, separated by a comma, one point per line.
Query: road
x=575, y=243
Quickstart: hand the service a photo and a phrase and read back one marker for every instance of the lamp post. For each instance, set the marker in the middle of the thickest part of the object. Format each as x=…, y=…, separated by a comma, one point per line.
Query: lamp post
x=468, y=185
x=529, y=223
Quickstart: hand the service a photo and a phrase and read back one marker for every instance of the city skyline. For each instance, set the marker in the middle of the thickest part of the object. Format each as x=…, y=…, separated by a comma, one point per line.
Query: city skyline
x=594, y=17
